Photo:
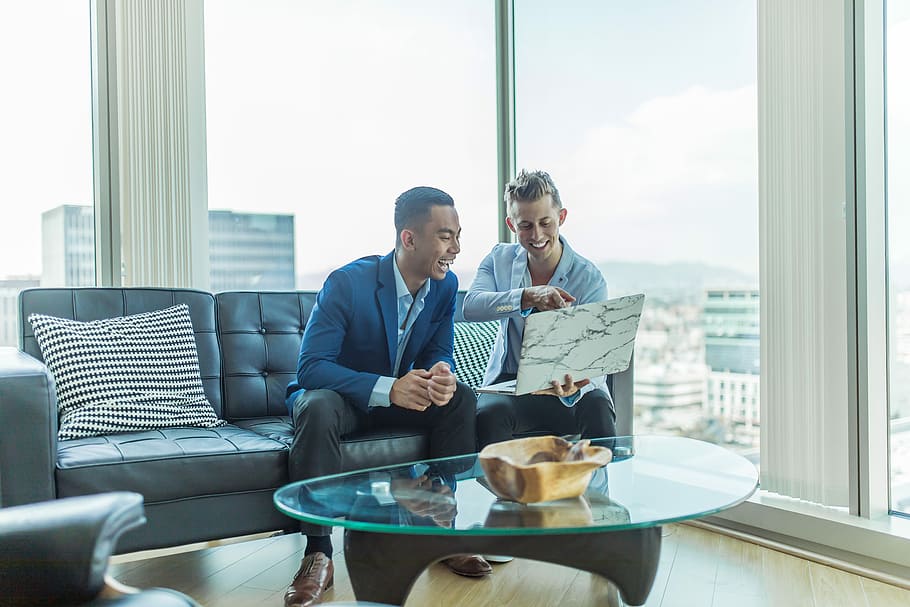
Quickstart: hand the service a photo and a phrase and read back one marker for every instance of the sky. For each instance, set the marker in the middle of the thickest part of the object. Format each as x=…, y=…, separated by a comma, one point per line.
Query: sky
x=45, y=122
x=643, y=112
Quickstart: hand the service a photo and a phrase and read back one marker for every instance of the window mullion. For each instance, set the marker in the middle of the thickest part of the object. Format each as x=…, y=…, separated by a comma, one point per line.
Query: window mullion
x=104, y=145
x=867, y=245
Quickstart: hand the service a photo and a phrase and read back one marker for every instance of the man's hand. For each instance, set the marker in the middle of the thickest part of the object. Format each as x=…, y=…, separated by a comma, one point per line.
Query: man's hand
x=422, y=497
x=411, y=390
x=441, y=386
x=567, y=389
x=545, y=297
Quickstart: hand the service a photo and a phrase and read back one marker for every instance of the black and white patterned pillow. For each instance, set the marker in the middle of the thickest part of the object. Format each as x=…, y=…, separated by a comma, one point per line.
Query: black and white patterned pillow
x=122, y=374
x=473, y=344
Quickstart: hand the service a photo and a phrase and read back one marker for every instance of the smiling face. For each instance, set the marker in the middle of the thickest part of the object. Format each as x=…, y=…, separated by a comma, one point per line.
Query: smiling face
x=537, y=226
x=428, y=250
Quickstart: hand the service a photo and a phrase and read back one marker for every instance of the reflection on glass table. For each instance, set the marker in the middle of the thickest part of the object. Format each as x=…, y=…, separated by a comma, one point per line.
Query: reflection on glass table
x=399, y=519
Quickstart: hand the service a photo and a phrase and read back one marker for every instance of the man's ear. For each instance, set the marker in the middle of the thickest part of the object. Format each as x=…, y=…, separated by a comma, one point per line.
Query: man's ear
x=562, y=216
x=407, y=239
x=510, y=224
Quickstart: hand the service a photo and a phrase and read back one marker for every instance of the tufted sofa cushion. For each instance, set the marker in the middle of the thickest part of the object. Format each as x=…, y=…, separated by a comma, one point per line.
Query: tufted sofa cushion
x=172, y=464
x=260, y=336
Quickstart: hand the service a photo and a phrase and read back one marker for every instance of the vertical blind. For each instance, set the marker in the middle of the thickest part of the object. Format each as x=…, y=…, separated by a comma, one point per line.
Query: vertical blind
x=160, y=134
x=802, y=251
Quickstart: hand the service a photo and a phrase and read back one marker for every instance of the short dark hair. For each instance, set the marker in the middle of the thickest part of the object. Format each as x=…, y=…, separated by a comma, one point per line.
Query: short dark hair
x=529, y=186
x=412, y=208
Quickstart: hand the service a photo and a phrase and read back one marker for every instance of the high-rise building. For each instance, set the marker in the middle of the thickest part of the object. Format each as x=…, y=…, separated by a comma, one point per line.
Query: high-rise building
x=669, y=387
x=251, y=251
x=670, y=369
x=731, y=325
x=68, y=246
x=246, y=250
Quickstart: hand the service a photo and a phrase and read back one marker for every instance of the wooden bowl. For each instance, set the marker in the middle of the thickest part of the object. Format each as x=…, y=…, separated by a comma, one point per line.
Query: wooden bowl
x=571, y=512
x=541, y=469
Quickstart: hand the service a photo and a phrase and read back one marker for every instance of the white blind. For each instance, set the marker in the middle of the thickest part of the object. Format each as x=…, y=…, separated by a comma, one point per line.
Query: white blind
x=802, y=250
x=160, y=134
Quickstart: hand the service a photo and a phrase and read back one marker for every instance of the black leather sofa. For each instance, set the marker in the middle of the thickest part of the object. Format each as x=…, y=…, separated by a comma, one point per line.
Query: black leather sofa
x=198, y=484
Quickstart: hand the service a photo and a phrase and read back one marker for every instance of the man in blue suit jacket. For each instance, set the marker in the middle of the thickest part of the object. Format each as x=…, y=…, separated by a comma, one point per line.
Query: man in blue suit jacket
x=377, y=352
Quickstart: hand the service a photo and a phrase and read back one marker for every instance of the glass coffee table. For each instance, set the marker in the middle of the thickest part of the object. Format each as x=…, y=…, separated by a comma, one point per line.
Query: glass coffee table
x=400, y=519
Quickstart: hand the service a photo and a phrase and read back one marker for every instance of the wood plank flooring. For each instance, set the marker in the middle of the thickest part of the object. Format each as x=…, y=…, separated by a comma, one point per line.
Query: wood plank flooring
x=698, y=568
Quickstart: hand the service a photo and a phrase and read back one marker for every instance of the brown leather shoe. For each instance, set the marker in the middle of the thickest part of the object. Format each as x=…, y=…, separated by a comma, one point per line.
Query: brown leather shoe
x=315, y=576
x=468, y=565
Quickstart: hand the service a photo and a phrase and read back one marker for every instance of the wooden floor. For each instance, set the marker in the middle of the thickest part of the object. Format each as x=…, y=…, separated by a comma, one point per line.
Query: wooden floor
x=697, y=568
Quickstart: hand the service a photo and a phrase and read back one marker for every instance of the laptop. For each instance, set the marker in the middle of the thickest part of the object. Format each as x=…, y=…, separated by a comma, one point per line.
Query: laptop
x=584, y=341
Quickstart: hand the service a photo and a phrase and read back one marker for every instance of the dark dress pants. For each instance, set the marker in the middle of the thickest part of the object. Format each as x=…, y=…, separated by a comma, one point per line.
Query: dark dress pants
x=322, y=417
x=500, y=417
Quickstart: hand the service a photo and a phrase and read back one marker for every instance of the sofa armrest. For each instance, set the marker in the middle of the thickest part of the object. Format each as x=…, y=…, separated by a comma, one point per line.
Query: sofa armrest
x=57, y=552
x=28, y=429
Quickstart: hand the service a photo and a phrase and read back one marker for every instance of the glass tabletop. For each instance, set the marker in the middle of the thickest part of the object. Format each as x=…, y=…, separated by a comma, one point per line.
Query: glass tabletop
x=652, y=480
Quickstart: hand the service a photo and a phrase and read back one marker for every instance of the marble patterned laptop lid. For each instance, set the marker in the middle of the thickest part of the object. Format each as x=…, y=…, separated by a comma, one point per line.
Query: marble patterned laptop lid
x=585, y=341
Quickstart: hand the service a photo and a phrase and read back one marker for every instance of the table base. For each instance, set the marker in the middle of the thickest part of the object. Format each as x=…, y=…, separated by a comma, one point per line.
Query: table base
x=384, y=566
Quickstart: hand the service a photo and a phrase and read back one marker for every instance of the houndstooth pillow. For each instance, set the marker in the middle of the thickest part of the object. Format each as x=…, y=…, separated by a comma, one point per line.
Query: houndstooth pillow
x=473, y=344
x=122, y=374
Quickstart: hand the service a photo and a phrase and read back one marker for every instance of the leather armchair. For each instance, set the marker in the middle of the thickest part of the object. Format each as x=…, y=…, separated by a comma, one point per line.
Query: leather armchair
x=56, y=553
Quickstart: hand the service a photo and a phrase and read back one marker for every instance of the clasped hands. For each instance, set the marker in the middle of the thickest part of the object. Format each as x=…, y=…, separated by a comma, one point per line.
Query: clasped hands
x=423, y=497
x=419, y=388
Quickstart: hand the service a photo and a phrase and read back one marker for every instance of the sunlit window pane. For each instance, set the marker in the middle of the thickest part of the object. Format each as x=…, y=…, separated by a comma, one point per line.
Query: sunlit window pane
x=645, y=115
x=322, y=112
x=897, y=67
x=47, y=235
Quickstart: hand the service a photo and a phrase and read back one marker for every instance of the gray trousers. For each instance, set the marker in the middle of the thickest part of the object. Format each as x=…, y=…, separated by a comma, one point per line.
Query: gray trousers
x=500, y=417
x=322, y=417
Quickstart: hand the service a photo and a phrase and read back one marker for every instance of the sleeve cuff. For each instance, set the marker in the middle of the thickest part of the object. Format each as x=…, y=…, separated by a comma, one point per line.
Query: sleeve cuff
x=570, y=401
x=379, y=397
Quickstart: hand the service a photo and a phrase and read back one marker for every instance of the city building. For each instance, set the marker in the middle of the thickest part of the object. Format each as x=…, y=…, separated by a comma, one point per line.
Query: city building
x=68, y=246
x=669, y=367
x=668, y=398
x=246, y=250
x=251, y=251
x=731, y=326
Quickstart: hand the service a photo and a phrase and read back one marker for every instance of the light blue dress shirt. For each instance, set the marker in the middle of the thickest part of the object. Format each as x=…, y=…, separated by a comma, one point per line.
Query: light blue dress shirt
x=496, y=292
x=409, y=308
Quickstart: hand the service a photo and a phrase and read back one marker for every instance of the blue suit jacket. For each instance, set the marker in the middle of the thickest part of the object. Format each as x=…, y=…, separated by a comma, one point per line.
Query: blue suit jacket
x=352, y=333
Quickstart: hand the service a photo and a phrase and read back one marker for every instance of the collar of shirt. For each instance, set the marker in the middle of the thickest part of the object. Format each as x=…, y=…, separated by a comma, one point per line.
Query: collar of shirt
x=565, y=264
x=514, y=327
x=409, y=309
x=405, y=300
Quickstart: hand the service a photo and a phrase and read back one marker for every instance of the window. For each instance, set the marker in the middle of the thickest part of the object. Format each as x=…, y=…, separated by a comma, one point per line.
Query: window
x=897, y=68
x=320, y=113
x=645, y=116
x=47, y=233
